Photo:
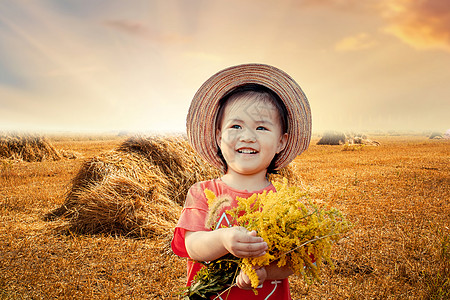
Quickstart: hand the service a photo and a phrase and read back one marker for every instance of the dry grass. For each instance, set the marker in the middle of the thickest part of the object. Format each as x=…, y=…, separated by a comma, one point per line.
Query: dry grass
x=396, y=195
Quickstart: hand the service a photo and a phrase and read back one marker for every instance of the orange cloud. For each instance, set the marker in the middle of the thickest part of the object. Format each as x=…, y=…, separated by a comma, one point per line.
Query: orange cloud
x=422, y=24
x=354, y=43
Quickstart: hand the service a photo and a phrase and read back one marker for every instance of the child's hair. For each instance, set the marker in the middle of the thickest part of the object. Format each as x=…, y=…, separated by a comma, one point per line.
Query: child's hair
x=260, y=93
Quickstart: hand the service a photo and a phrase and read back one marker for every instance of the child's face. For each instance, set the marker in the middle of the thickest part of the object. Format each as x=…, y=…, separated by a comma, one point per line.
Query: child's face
x=250, y=135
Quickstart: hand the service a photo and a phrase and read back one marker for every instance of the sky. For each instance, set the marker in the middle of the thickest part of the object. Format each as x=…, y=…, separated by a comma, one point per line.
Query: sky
x=134, y=66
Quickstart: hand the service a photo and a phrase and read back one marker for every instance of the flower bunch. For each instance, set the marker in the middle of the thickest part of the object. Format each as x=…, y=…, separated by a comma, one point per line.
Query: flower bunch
x=299, y=233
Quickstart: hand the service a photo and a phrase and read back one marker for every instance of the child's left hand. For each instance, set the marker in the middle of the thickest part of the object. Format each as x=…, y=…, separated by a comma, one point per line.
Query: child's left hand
x=243, y=282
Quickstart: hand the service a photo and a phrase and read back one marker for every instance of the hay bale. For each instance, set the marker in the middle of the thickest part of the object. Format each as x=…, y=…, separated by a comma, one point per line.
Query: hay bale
x=332, y=138
x=436, y=136
x=27, y=148
x=97, y=171
x=176, y=159
x=125, y=206
x=118, y=193
x=136, y=190
x=351, y=138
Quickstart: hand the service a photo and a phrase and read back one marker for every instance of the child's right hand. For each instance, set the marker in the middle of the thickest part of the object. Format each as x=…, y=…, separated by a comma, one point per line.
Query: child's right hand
x=243, y=243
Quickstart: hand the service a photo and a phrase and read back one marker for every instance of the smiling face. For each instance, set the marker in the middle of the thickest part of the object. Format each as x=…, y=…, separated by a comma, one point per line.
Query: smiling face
x=250, y=134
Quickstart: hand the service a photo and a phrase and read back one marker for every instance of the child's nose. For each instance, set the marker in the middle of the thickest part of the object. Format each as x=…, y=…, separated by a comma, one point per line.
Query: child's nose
x=248, y=136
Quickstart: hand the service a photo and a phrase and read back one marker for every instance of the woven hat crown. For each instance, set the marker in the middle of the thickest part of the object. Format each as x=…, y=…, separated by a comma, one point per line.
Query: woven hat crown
x=202, y=114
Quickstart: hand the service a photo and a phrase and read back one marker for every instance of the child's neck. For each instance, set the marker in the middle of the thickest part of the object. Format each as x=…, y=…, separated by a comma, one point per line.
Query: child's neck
x=251, y=183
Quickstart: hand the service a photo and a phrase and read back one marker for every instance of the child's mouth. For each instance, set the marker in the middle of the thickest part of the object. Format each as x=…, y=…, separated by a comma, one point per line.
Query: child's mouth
x=247, y=151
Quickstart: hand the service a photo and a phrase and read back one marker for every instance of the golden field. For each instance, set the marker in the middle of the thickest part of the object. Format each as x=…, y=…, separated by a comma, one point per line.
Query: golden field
x=397, y=195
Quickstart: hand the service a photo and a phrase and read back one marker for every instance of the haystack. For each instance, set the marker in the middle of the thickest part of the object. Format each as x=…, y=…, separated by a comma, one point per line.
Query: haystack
x=435, y=136
x=350, y=138
x=136, y=190
x=332, y=138
x=117, y=193
x=174, y=158
x=27, y=148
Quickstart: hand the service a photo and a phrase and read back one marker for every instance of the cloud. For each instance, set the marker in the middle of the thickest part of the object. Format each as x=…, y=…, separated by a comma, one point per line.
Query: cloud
x=422, y=24
x=140, y=29
x=354, y=43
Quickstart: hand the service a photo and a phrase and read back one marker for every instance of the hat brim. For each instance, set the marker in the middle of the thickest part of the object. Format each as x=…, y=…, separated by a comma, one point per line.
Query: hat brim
x=202, y=114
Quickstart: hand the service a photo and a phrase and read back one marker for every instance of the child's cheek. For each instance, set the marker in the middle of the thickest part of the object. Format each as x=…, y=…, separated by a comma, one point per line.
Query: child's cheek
x=230, y=136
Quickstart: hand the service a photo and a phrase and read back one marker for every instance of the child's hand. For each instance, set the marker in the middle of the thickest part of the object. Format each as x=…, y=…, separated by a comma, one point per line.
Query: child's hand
x=243, y=282
x=243, y=243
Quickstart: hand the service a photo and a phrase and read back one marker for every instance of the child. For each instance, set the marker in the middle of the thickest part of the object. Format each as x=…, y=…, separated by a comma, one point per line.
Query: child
x=247, y=120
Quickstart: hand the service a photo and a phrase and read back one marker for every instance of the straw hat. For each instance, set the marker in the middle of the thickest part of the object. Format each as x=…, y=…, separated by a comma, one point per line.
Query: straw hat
x=201, y=118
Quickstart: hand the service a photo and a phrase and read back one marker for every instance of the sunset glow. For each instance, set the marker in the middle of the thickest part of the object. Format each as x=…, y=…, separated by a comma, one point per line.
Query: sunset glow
x=135, y=65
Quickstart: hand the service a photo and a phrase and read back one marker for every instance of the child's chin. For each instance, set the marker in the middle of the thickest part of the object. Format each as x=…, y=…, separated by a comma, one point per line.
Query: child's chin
x=249, y=170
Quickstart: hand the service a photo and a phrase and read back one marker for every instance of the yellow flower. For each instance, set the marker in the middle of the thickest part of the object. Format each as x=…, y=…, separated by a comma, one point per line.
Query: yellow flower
x=294, y=228
x=210, y=196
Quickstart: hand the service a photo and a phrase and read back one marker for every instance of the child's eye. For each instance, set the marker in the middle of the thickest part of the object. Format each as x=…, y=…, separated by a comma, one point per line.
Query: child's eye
x=261, y=128
x=235, y=126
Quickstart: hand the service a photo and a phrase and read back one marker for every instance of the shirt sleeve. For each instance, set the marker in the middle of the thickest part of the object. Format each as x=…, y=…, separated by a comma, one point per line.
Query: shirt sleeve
x=193, y=217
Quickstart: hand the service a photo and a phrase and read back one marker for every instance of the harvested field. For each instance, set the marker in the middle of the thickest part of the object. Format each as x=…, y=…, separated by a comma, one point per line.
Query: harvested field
x=397, y=195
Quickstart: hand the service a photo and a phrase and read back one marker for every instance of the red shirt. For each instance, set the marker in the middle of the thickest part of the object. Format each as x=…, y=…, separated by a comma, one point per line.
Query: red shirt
x=193, y=218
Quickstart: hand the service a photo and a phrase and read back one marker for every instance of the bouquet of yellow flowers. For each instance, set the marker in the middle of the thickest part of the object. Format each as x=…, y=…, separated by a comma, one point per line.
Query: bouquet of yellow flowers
x=298, y=232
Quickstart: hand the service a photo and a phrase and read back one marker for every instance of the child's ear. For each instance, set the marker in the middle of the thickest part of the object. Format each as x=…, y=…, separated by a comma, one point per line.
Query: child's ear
x=282, y=143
